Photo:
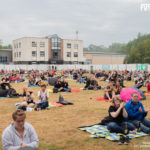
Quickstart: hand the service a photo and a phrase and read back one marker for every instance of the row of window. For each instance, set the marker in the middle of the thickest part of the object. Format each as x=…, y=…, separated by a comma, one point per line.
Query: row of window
x=42, y=44
x=17, y=45
x=17, y=54
x=34, y=53
x=69, y=45
x=69, y=54
x=34, y=44
x=3, y=59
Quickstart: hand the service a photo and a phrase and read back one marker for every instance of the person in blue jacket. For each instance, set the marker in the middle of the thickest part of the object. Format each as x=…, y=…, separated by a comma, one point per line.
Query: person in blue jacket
x=137, y=113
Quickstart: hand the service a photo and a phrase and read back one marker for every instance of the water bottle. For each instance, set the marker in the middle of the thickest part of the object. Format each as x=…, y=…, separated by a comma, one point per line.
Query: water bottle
x=125, y=128
x=139, y=126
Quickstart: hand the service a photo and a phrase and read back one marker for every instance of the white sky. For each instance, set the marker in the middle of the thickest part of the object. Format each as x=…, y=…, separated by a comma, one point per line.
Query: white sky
x=99, y=22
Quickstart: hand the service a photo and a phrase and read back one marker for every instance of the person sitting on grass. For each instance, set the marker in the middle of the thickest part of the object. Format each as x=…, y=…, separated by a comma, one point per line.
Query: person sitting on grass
x=38, y=80
x=117, y=116
x=19, y=134
x=28, y=99
x=137, y=113
x=31, y=81
x=109, y=92
x=58, y=85
x=43, y=98
x=117, y=123
x=118, y=88
x=65, y=85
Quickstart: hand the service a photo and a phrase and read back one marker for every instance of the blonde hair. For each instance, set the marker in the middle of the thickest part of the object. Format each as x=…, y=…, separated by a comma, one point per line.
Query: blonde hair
x=17, y=113
x=116, y=97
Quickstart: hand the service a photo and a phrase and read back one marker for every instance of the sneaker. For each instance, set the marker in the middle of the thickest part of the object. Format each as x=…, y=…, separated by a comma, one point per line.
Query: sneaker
x=47, y=108
x=133, y=131
x=121, y=140
x=127, y=140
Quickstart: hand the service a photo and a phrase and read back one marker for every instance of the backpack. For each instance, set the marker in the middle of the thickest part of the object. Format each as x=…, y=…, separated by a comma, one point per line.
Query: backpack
x=55, y=90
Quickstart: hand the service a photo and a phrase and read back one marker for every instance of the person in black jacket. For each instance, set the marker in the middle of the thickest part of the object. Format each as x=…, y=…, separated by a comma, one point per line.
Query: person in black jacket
x=65, y=85
x=117, y=115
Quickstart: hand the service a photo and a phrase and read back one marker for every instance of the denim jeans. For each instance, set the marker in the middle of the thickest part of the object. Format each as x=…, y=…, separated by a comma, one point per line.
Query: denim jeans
x=42, y=105
x=119, y=127
x=81, y=80
x=145, y=125
x=67, y=89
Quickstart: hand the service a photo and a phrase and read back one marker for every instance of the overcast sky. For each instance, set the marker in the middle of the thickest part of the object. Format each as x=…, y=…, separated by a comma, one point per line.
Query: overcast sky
x=99, y=22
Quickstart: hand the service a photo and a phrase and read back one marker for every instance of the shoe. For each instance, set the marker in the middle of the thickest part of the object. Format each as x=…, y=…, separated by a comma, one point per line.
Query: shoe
x=121, y=140
x=47, y=108
x=133, y=131
x=127, y=140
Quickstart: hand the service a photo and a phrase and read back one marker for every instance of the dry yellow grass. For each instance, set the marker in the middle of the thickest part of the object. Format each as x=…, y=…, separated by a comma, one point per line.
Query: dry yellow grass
x=57, y=127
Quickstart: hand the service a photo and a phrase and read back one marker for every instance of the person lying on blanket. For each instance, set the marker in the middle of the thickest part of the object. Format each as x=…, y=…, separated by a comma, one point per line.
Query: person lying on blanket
x=117, y=115
x=137, y=113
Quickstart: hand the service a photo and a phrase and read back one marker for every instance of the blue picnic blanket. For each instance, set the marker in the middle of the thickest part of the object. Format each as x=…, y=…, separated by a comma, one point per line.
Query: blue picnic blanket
x=98, y=131
x=32, y=85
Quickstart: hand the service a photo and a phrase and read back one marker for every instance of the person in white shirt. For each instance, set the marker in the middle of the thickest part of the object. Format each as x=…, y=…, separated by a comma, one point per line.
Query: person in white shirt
x=43, y=98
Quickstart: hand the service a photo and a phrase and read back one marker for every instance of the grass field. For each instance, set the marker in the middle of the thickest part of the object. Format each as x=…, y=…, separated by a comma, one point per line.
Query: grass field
x=57, y=127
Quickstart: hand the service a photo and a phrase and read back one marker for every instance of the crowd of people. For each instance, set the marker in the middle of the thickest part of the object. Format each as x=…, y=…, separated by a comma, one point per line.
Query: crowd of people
x=122, y=118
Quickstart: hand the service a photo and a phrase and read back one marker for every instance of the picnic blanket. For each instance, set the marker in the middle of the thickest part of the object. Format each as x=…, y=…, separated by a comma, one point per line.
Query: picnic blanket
x=98, y=131
x=147, y=94
x=76, y=90
x=54, y=104
x=101, y=99
x=32, y=85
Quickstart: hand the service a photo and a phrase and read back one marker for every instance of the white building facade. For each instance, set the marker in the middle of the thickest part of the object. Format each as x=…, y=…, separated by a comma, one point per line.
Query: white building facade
x=48, y=50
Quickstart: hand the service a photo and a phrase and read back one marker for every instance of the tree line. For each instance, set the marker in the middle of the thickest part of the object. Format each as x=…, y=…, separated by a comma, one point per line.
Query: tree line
x=137, y=50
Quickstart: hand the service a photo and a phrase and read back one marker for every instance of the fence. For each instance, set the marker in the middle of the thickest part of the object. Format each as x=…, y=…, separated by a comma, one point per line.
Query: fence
x=129, y=67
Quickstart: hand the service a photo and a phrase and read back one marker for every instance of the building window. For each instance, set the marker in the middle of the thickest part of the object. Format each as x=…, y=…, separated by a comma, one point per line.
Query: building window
x=3, y=59
x=19, y=54
x=56, y=43
x=42, y=44
x=16, y=45
x=75, y=46
x=68, y=54
x=42, y=53
x=15, y=54
x=55, y=54
x=75, y=54
x=68, y=45
x=19, y=45
x=33, y=53
x=34, y=44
